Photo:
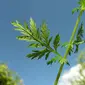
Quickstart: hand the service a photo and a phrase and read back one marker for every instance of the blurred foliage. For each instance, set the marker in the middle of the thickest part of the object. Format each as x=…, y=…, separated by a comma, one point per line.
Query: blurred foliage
x=8, y=77
x=81, y=79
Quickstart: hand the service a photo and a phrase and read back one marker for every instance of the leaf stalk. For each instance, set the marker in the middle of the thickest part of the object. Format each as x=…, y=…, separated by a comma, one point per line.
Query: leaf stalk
x=67, y=50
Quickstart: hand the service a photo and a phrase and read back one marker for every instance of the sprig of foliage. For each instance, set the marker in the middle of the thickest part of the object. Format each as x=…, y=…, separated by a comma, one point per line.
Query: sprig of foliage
x=38, y=37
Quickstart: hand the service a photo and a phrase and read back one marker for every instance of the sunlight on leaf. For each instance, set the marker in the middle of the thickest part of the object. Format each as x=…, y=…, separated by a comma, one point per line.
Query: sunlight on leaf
x=33, y=27
x=44, y=31
x=27, y=38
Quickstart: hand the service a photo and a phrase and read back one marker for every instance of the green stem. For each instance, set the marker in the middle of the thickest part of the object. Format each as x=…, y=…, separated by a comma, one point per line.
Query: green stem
x=67, y=50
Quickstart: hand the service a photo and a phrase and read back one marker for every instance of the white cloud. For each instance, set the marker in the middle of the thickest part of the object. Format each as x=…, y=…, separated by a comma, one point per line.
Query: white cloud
x=71, y=74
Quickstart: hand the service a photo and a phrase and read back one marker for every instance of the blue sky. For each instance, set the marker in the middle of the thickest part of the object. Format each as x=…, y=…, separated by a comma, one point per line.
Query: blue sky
x=59, y=18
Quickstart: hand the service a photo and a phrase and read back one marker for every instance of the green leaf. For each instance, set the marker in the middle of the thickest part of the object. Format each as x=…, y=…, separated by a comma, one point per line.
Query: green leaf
x=17, y=25
x=33, y=27
x=49, y=41
x=41, y=55
x=27, y=29
x=44, y=31
x=80, y=31
x=38, y=35
x=68, y=63
x=47, y=55
x=32, y=55
x=36, y=45
x=71, y=49
x=78, y=43
x=26, y=38
x=56, y=41
x=20, y=28
x=25, y=33
x=77, y=48
x=49, y=62
x=26, y=26
x=75, y=10
x=33, y=33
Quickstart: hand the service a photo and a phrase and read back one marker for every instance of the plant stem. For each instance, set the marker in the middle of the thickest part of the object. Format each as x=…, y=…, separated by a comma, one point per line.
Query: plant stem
x=67, y=50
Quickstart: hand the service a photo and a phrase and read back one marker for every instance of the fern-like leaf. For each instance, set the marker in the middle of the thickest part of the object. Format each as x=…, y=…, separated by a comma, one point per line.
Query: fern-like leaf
x=40, y=37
